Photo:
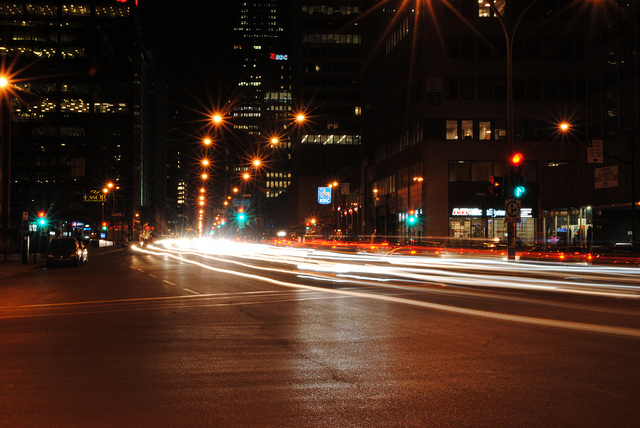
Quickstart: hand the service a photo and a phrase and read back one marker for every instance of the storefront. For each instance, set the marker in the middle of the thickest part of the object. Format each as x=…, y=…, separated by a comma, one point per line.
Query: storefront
x=490, y=224
x=568, y=226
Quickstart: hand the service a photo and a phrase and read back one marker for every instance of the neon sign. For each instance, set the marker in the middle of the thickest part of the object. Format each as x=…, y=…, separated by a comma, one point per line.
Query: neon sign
x=278, y=57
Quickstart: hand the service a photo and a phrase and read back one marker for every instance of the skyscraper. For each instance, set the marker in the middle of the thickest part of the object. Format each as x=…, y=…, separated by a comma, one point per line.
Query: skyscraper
x=80, y=105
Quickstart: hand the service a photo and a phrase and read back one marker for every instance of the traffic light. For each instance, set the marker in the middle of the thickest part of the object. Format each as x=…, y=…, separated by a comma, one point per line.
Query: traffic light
x=105, y=226
x=242, y=216
x=496, y=185
x=516, y=160
x=518, y=191
x=516, y=176
x=42, y=218
x=412, y=218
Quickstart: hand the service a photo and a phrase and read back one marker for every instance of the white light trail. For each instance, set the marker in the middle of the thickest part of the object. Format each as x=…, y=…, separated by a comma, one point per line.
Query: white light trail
x=594, y=328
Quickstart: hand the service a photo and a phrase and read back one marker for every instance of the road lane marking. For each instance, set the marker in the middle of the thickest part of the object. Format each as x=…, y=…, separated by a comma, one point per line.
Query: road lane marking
x=190, y=291
x=168, y=282
x=570, y=325
x=152, y=275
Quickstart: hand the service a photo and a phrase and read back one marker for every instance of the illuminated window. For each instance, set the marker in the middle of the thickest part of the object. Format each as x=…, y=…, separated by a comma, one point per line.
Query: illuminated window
x=467, y=129
x=74, y=105
x=10, y=9
x=452, y=130
x=42, y=9
x=75, y=10
x=484, y=131
x=484, y=8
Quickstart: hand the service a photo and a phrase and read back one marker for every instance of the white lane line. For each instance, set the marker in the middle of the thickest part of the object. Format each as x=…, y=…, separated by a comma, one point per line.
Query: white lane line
x=168, y=282
x=152, y=275
x=570, y=325
x=190, y=291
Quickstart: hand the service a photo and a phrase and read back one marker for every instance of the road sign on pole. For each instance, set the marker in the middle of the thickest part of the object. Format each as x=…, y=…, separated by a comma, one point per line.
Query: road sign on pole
x=512, y=210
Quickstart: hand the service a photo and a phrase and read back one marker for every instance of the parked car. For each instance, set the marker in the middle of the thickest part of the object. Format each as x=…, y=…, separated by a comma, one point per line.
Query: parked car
x=66, y=250
x=557, y=253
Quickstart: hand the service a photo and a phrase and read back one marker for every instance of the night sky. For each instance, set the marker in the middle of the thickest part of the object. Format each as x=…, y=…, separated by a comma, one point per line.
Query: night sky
x=191, y=41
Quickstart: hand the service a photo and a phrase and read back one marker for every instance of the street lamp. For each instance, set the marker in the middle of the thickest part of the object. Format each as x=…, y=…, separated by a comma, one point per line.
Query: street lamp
x=509, y=35
x=5, y=159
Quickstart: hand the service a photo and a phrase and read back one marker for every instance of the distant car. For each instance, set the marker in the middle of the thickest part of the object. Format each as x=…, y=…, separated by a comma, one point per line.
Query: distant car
x=557, y=253
x=66, y=250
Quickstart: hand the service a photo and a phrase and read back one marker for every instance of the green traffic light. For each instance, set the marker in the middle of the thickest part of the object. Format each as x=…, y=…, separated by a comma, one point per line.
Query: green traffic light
x=518, y=191
x=42, y=222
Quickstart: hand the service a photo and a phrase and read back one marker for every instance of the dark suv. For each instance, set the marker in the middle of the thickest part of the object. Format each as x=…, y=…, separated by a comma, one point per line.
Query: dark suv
x=66, y=250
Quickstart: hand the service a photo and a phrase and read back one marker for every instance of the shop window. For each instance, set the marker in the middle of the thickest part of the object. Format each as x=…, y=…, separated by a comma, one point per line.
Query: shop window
x=452, y=129
x=467, y=129
x=484, y=130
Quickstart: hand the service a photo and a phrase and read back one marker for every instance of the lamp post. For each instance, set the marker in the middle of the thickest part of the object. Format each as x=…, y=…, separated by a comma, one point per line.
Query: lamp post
x=509, y=34
x=5, y=160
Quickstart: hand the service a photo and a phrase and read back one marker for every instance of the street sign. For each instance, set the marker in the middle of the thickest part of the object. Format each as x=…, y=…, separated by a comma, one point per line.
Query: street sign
x=594, y=151
x=94, y=195
x=606, y=177
x=512, y=209
x=324, y=195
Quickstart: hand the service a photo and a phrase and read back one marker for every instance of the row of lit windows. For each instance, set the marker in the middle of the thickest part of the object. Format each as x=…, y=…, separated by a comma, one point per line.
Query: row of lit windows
x=331, y=139
x=74, y=52
x=67, y=105
x=330, y=10
x=278, y=175
x=398, y=33
x=115, y=11
x=65, y=131
x=344, y=39
x=278, y=184
x=280, y=96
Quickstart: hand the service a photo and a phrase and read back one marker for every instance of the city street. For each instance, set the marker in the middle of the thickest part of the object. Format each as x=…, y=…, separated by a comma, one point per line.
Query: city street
x=249, y=335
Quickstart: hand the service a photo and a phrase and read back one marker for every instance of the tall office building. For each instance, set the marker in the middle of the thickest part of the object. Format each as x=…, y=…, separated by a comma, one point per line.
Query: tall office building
x=260, y=105
x=81, y=105
x=327, y=87
x=437, y=102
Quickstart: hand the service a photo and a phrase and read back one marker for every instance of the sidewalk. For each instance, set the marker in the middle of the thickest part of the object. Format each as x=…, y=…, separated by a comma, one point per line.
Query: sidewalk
x=13, y=264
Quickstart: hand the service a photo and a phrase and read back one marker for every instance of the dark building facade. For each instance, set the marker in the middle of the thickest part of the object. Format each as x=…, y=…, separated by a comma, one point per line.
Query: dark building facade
x=327, y=87
x=81, y=105
x=436, y=113
x=597, y=196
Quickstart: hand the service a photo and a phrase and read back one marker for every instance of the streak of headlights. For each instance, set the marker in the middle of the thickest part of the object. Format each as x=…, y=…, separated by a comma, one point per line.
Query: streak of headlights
x=398, y=269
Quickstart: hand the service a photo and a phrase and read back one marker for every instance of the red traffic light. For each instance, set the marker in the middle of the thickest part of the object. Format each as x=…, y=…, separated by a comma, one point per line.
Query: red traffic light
x=42, y=214
x=517, y=159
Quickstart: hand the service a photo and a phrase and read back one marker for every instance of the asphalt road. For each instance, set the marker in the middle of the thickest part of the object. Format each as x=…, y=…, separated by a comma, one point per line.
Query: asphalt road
x=142, y=339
